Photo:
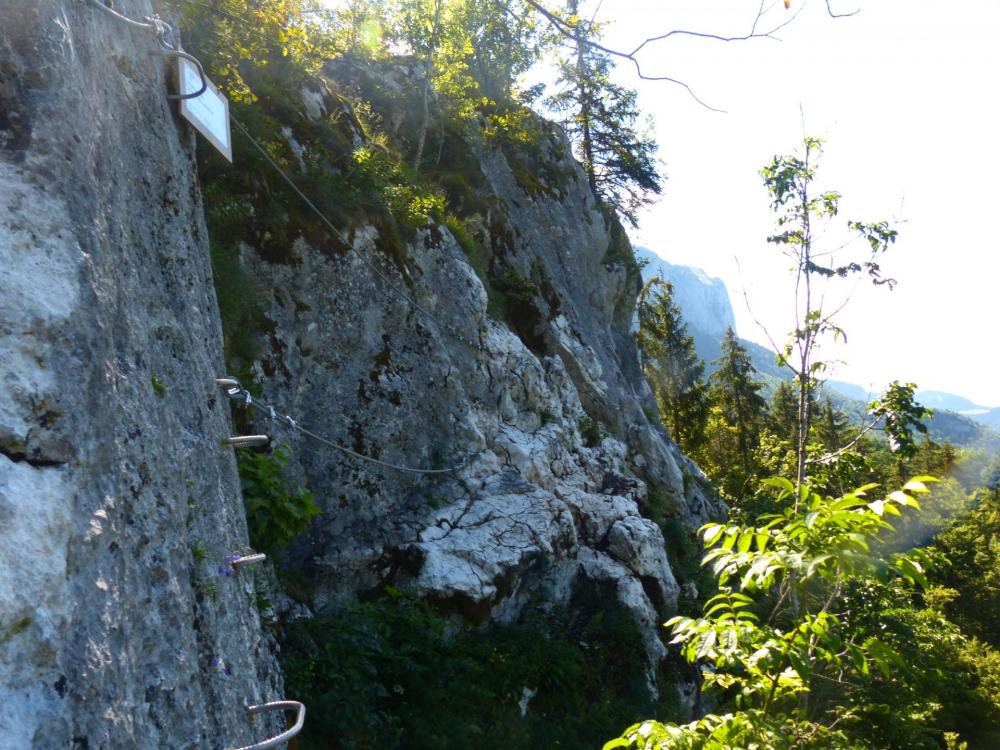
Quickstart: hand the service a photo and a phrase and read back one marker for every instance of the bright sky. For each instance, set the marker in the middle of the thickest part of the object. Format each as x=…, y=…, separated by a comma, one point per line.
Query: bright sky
x=905, y=93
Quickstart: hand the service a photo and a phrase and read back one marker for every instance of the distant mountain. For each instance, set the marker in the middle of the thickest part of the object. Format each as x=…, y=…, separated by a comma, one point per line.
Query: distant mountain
x=942, y=400
x=850, y=390
x=704, y=300
x=707, y=310
x=989, y=418
x=985, y=415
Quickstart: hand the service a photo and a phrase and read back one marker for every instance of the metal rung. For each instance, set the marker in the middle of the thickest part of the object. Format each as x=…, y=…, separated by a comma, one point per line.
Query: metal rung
x=227, y=382
x=239, y=562
x=300, y=719
x=246, y=441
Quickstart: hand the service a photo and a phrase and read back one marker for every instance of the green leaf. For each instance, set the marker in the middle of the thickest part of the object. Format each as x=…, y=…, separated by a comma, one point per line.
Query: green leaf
x=707, y=645
x=732, y=533
x=711, y=533
x=780, y=483
x=721, y=606
x=619, y=742
x=799, y=664
x=815, y=563
x=848, y=501
x=903, y=499
x=746, y=539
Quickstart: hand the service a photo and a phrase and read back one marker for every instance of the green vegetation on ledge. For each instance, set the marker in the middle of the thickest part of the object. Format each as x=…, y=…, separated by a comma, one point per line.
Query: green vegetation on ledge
x=391, y=673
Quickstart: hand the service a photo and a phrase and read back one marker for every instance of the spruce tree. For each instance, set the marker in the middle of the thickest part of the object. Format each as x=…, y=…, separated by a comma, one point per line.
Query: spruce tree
x=672, y=366
x=737, y=392
x=832, y=427
x=785, y=412
x=616, y=150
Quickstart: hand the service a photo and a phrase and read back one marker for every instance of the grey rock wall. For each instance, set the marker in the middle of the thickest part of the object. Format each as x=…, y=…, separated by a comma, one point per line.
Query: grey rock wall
x=541, y=509
x=117, y=503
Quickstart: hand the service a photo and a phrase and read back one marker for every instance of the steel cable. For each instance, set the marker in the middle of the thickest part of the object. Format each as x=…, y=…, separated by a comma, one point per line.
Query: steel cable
x=237, y=392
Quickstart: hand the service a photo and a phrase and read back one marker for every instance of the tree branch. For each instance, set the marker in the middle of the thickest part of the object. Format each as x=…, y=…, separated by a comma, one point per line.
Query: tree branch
x=830, y=456
x=830, y=11
x=566, y=29
x=761, y=326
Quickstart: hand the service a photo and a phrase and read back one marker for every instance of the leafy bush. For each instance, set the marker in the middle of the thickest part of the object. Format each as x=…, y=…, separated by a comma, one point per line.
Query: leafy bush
x=277, y=510
x=389, y=674
x=591, y=431
x=812, y=631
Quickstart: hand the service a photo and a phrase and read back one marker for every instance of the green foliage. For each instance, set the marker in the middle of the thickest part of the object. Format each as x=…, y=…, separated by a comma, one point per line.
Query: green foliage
x=802, y=216
x=736, y=417
x=18, y=626
x=391, y=673
x=684, y=554
x=671, y=365
x=236, y=37
x=591, y=431
x=784, y=416
x=277, y=510
x=972, y=544
x=159, y=387
x=933, y=686
x=812, y=628
x=901, y=414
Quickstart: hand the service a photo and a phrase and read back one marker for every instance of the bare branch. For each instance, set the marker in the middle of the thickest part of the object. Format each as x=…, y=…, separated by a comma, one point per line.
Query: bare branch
x=566, y=29
x=829, y=10
x=840, y=451
x=761, y=326
x=752, y=34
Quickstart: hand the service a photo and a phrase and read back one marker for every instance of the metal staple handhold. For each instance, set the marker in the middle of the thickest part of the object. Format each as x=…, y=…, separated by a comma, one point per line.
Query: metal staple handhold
x=239, y=562
x=246, y=441
x=227, y=382
x=300, y=719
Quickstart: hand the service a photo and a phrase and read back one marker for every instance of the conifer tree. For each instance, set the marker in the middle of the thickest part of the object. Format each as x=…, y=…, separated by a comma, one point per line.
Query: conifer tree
x=616, y=150
x=736, y=391
x=784, y=415
x=832, y=427
x=672, y=365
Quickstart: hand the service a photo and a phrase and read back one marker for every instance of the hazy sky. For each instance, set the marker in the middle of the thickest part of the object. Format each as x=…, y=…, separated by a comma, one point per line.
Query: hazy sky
x=905, y=93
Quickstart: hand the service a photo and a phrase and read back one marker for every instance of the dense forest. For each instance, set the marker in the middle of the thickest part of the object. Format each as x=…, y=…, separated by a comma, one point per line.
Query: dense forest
x=850, y=598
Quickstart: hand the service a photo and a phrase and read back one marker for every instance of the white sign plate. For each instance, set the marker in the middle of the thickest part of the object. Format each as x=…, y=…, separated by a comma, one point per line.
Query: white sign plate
x=209, y=113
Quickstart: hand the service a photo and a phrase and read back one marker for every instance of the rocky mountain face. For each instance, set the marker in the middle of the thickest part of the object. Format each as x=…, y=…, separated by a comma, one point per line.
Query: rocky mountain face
x=704, y=300
x=543, y=405
x=117, y=502
x=120, y=623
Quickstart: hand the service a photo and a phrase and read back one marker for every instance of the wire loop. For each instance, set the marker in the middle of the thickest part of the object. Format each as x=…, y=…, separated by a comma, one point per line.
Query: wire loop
x=168, y=48
x=300, y=718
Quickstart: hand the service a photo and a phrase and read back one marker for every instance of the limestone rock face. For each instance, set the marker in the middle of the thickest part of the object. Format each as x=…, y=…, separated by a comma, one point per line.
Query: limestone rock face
x=544, y=410
x=117, y=503
x=703, y=300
